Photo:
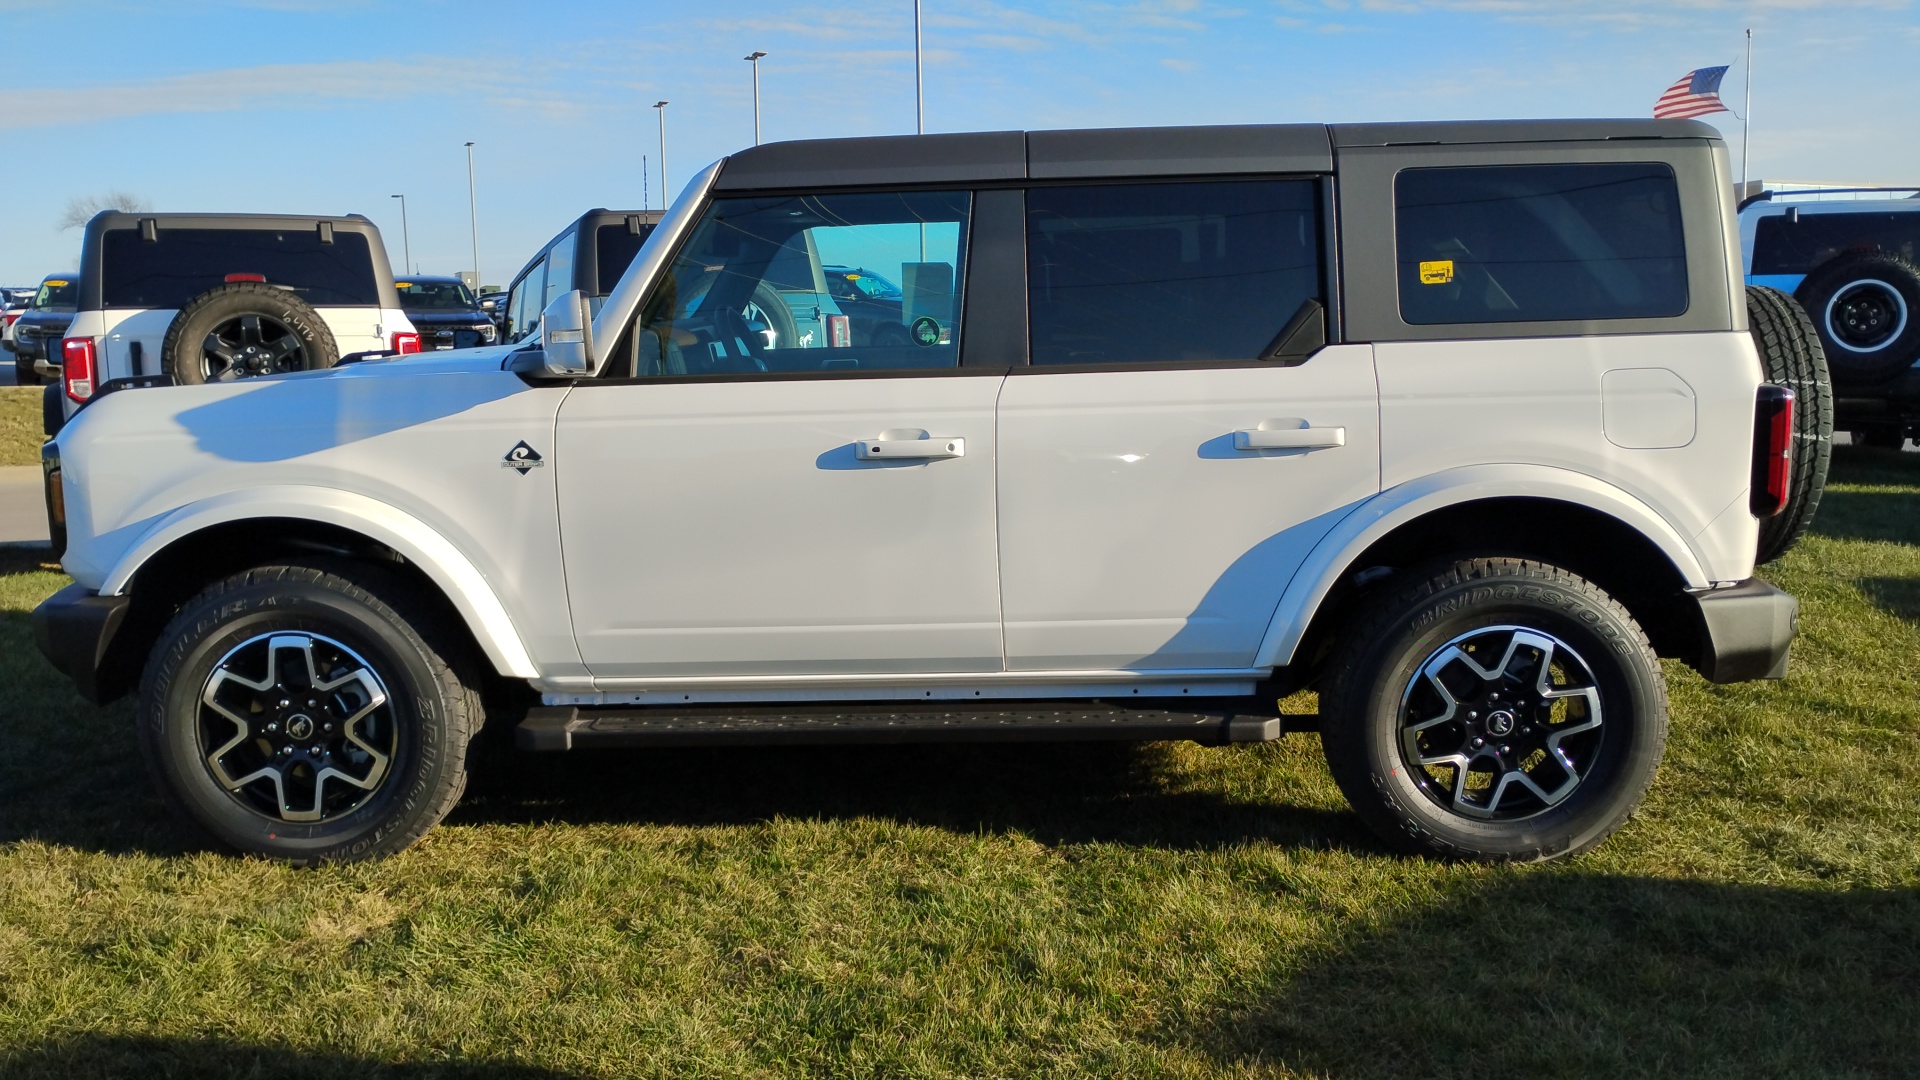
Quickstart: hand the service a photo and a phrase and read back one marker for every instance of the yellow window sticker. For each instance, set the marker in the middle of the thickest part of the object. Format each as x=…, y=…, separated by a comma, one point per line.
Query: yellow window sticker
x=57, y=284
x=1439, y=272
x=403, y=284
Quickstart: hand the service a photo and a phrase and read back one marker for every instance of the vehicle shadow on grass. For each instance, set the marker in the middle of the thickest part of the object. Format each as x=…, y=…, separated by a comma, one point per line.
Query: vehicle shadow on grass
x=1897, y=596
x=1053, y=793
x=1559, y=974
x=140, y=1058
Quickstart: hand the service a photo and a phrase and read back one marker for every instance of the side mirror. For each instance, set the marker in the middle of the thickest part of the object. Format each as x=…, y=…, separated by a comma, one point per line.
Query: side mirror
x=566, y=335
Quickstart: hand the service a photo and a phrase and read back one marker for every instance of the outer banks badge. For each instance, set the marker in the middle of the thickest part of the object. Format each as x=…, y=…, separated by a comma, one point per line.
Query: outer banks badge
x=522, y=458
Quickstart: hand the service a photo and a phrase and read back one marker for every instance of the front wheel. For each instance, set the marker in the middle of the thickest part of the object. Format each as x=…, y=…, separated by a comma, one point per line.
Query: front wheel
x=299, y=715
x=24, y=373
x=1500, y=709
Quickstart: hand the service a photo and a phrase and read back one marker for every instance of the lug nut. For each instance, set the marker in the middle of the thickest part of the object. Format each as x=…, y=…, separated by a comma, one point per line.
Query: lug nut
x=272, y=726
x=1506, y=749
x=1478, y=742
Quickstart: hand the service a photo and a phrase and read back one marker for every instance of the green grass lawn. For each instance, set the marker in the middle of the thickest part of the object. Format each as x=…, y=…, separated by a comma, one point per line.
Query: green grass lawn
x=20, y=425
x=1009, y=911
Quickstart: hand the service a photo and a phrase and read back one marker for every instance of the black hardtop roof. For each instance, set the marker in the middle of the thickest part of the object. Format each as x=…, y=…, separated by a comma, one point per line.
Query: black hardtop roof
x=110, y=220
x=979, y=156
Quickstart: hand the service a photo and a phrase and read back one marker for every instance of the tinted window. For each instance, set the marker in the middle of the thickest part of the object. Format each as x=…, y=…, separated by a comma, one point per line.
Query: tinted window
x=749, y=292
x=434, y=296
x=1531, y=243
x=614, y=249
x=56, y=294
x=1146, y=273
x=183, y=263
x=1781, y=246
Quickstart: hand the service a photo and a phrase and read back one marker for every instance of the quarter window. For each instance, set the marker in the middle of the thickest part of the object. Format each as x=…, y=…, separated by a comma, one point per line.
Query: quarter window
x=1539, y=243
x=527, y=302
x=750, y=293
x=1157, y=273
x=559, y=269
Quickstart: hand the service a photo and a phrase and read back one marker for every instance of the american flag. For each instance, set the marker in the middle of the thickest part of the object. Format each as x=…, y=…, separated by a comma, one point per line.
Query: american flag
x=1697, y=93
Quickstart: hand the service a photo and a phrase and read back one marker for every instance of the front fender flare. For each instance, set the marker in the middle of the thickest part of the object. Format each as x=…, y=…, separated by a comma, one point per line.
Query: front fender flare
x=1397, y=506
x=441, y=561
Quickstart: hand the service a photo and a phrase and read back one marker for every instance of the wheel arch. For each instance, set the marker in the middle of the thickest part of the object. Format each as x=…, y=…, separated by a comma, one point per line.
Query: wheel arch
x=1568, y=519
x=199, y=544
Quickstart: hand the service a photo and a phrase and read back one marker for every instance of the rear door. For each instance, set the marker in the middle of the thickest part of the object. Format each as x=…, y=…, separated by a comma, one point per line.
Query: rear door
x=1178, y=443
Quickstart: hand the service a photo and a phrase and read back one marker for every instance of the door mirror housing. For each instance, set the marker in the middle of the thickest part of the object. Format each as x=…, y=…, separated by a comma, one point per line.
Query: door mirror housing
x=566, y=335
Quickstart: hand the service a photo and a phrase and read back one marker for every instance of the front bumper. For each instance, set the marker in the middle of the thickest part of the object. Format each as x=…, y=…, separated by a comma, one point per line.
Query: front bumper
x=75, y=628
x=1745, y=631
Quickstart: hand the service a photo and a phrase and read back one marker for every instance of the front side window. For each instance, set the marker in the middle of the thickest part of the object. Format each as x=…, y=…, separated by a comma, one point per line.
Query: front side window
x=1784, y=245
x=526, y=302
x=559, y=269
x=1539, y=243
x=1158, y=273
x=751, y=290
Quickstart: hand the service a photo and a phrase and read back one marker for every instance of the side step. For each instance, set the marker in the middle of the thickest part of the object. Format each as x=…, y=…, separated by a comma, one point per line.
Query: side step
x=567, y=727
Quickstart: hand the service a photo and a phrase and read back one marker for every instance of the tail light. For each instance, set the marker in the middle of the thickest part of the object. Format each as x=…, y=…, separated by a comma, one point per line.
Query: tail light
x=257, y=279
x=1772, y=451
x=13, y=317
x=839, y=331
x=76, y=367
x=406, y=344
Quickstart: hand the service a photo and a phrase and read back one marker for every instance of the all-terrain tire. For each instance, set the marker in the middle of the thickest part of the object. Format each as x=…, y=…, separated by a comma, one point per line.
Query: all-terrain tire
x=293, y=336
x=53, y=409
x=24, y=373
x=1865, y=352
x=1370, y=701
x=354, y=619
x=1790, y=352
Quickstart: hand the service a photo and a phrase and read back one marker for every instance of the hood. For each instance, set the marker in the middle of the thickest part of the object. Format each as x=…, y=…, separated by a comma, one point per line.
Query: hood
x=448, y=318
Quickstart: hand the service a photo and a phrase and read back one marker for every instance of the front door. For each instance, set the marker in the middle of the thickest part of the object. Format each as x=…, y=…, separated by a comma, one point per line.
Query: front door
x=765, y=490
x=1179, y=443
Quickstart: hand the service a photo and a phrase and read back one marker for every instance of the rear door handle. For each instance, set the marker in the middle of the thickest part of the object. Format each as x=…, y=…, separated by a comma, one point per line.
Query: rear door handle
x=1303, y=437
x=920, y=449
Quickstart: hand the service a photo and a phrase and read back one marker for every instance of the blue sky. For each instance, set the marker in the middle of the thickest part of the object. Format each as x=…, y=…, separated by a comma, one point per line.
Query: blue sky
x=331, y=106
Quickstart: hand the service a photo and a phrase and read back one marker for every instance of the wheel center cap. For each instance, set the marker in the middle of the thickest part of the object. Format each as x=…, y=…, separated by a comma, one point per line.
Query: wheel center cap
x=1499, y=722
x=300, y=726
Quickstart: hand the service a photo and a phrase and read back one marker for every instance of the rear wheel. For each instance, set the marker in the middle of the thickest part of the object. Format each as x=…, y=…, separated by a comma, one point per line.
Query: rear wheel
x=1500, y=709
x=299, y=715
x=23, y=371
x=1866, y=309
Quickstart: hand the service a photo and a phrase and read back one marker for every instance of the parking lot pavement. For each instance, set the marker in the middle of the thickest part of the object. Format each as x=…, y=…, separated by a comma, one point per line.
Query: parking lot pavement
x=23, y=508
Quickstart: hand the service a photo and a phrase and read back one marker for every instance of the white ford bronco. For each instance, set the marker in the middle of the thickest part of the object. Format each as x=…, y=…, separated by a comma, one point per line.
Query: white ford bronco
x=1461, y=424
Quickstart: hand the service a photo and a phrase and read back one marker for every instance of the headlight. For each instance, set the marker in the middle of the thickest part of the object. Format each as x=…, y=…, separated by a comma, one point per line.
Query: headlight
x=487, y=331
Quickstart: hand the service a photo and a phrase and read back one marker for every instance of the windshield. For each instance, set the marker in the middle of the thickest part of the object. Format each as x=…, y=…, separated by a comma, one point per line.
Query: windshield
x=434, y=296
x=56, y=294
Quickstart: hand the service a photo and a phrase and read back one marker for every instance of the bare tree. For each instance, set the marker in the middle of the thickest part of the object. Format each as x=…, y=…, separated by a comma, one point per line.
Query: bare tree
x=81, y=209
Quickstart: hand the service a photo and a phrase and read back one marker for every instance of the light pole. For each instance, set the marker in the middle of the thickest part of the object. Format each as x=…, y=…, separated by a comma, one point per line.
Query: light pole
x=919, y=78
x=405, y=239
x=473, y=217
x=660, y=107
x=754, y=59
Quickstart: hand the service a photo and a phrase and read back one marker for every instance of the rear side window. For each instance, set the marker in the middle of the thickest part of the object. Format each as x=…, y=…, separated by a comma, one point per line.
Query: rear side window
x=614, y=249
x=1161, y=273
x=1781, y=246
x=1539, y=243
x=183, y=263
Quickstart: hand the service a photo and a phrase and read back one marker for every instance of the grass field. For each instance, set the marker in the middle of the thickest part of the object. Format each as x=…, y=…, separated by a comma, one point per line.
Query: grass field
x=984, y=912
x=20, y=425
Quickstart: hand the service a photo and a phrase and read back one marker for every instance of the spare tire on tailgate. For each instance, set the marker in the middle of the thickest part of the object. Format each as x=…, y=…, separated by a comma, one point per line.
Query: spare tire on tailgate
x=242, y=330
x=1866, y=308
x=1791, y=355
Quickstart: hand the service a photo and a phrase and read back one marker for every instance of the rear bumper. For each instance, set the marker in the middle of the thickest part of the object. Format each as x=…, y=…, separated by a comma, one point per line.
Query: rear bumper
x=1745, y=631
x=75, y=629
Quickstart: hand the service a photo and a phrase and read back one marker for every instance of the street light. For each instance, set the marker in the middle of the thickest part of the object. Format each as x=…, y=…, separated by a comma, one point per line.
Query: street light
x=754, y=59
x=919, y=79
x=473, y=217
x=405, y=239
x=660, y=107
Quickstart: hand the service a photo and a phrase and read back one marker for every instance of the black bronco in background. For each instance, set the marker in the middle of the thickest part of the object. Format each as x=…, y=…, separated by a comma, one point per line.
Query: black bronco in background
x=445, y=313
x=46, y=319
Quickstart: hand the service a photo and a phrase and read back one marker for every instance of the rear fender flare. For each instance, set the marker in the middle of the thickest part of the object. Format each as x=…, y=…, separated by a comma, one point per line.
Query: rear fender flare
x=456, y=576
x=1333, y=557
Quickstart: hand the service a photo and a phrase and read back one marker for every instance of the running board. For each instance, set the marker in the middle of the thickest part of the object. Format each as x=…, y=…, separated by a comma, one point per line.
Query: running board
x=567, y=727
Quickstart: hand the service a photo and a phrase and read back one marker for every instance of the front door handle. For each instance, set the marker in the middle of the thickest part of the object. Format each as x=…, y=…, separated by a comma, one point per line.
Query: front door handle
x=920, y=448
x=1301, y=436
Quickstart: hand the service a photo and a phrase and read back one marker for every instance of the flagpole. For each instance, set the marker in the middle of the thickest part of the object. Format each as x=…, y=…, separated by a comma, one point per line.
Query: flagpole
x=1746, y=117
